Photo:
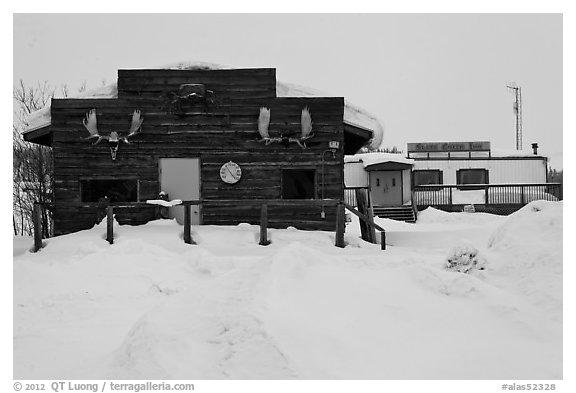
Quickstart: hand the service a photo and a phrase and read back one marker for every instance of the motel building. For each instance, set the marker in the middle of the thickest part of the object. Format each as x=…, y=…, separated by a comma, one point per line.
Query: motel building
x=451, y=176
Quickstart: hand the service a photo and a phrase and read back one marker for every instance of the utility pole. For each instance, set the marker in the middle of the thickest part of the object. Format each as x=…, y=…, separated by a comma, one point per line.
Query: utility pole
x=518, y=112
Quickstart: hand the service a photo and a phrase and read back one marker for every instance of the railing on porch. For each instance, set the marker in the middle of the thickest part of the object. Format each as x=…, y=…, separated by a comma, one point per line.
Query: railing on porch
x=261, y=204
x=489, y=195
x=350, y=195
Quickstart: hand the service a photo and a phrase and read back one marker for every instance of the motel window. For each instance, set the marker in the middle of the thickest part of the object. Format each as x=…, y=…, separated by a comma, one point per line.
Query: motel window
x=472, y=176
x=298, y=184
x=480, y=154
x=428, y=176
x=115, y=190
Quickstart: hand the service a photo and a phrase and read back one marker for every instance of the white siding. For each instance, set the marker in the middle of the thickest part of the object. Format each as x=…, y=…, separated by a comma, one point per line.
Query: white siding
x=355, y=175
x=499, y=171
x=406, y=186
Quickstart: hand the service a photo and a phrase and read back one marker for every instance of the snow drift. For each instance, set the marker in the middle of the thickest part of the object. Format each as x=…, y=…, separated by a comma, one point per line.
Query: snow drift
x=152, y=307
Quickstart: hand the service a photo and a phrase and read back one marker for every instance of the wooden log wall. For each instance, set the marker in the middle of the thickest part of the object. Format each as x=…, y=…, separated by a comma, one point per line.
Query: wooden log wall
x=228, y=131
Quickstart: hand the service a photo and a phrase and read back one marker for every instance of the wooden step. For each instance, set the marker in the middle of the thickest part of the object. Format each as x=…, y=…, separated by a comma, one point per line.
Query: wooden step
x=398, y=213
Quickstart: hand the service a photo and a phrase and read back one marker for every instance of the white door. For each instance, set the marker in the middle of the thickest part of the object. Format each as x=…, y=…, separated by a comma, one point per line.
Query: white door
x=386, y=188
x=180, y=179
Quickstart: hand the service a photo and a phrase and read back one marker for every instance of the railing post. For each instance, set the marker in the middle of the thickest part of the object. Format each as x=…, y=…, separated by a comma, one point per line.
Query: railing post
x=264, y=225
x=372, y=230
x=383, y=240
x=340, y=225
x=486, y=194
x=450, y=188
x=110, y=224
x=364, y=208
x=188, y=224
x=37, y=220
x=523, y=200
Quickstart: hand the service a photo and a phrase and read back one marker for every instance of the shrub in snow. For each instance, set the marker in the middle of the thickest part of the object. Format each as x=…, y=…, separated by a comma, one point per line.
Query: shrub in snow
x=464, y=259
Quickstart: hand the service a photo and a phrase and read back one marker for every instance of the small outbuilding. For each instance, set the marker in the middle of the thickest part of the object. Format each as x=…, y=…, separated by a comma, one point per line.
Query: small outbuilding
x=388, y=179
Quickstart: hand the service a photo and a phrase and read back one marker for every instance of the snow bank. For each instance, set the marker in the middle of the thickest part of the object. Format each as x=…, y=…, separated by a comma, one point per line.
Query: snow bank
x=152, y=307
x=431, y=215
x=21, y=244
x=530, y=246
x=539, y=221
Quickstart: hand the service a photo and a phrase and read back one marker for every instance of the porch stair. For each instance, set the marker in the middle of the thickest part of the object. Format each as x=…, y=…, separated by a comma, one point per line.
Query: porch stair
x=398, y=213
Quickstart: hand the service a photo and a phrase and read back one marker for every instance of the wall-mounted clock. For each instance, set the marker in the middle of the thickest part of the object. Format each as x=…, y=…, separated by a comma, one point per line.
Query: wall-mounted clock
x=230, y=172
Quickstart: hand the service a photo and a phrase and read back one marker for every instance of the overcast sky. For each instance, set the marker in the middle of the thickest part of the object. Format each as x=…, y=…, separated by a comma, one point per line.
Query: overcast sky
x=427, y=77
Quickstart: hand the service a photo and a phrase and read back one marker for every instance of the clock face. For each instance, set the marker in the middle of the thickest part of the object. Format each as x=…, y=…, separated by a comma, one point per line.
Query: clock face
x=230, y=172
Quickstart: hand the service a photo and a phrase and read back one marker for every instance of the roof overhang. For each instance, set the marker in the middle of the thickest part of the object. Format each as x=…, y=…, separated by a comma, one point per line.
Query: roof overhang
x=388, y=166
x=41, y=135
x=355, y=137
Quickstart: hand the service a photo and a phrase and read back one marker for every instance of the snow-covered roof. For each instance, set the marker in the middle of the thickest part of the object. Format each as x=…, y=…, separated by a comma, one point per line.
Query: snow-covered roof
x=353, y=115
x=497, y=152
x=43, y=117
x=368, y=159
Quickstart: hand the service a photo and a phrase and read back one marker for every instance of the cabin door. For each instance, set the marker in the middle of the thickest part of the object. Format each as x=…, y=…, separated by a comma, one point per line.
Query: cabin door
x=386, y=188
x=180, y=179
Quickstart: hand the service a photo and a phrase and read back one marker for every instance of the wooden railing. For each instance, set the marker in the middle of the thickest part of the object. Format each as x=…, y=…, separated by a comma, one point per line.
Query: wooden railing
x=262, y=204
x=442, y=195
x=369, y=221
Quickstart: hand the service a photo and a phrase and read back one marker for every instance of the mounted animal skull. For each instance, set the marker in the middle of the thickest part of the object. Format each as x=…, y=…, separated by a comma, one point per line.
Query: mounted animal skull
x=305, y=128
x=91, y=124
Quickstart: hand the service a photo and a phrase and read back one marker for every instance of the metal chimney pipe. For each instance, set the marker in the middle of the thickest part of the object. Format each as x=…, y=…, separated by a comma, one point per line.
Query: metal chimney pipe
x=535, y=148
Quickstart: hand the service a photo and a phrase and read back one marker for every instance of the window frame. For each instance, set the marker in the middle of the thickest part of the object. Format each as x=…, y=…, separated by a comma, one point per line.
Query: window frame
x=83, y=179
x=437, y=171
x=468, y=186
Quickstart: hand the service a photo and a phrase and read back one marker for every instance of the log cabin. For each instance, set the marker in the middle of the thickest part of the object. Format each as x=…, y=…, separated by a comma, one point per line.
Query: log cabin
x=222, y=136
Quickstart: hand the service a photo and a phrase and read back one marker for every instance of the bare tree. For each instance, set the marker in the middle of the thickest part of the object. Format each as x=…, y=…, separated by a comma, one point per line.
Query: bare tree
x=392, y=149
x=32, y=163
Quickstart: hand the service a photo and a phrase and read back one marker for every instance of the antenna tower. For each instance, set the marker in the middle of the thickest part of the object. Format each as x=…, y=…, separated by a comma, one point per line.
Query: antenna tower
x=518, y=113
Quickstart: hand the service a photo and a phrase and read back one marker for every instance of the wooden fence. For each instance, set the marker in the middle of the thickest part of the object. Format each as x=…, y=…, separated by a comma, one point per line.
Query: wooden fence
x=262, y=204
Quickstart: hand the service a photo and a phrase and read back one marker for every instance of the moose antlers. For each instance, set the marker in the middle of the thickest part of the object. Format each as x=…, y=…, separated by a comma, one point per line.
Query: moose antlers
x=91, y=124
x=305, y=126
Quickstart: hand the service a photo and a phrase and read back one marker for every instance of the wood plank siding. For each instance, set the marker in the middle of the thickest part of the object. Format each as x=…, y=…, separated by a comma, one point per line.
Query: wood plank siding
x=225, y=131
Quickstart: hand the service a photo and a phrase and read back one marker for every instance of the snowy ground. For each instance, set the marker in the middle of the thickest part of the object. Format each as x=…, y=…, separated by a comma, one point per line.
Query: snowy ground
x=152, y=307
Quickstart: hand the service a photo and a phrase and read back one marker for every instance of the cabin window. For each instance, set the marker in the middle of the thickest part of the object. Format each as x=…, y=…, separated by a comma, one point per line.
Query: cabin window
x=472, y=176
x=298, y=184
x=115, y=190
x=428, y=176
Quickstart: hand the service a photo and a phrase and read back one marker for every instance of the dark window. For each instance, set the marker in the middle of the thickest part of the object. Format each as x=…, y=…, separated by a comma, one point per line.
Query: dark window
x=472, y=176
x=116, y=190
x=298, y=184
x=429, y=176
